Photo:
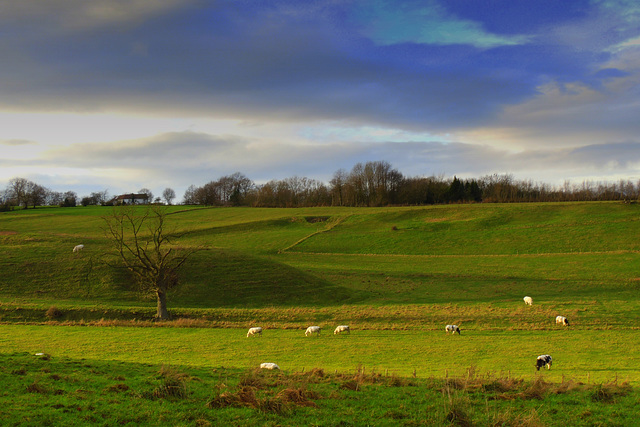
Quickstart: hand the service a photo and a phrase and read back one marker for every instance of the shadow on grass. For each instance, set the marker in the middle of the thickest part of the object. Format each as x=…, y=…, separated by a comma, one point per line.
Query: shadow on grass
x=224, y=278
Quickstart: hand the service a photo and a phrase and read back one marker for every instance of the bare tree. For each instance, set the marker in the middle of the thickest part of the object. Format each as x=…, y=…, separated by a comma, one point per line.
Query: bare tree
x=18, y=191
x=144, y=246
x=338, y=182
x=190, y=195
x=100, y=197
x=168, y=194
x=148, y=193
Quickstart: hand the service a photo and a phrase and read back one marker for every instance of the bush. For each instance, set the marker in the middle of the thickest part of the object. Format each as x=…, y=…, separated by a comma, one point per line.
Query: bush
x=54, y=313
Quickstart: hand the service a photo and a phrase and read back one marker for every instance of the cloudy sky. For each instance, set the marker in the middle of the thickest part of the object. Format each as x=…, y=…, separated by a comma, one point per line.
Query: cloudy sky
x=125, y=94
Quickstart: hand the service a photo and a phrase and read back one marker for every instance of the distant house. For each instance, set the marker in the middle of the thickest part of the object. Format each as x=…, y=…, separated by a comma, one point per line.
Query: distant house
x=131, y=199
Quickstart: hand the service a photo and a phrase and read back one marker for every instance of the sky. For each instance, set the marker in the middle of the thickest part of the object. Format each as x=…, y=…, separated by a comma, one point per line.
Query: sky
x=119, y=95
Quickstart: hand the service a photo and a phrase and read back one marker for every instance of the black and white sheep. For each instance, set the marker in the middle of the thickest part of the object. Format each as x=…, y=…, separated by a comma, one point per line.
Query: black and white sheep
x=543, y=360
x=452, y=328
x=562, y=320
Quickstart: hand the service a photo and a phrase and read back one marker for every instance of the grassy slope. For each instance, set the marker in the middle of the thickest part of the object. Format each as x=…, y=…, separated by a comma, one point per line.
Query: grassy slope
x=472, y=262
x=469, y=265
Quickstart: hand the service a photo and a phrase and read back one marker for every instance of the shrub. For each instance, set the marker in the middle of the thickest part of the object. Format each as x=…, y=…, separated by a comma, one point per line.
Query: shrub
x=54, y=313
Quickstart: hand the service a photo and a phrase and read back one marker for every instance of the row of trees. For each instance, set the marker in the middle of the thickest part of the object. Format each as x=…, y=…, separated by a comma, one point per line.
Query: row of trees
x=367, y=184
x=379, y=184
x=28, y=194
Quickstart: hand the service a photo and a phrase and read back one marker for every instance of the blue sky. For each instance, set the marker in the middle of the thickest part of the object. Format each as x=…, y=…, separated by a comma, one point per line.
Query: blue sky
x=122, y=95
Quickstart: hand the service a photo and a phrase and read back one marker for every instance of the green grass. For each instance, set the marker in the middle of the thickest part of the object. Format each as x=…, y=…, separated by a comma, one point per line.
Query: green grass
x=53, y=390
x=437, y=254
x=396, y=275
x=595, y=354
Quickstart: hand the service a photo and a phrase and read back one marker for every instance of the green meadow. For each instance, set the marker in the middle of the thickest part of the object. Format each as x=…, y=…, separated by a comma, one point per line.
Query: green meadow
x=396, y=275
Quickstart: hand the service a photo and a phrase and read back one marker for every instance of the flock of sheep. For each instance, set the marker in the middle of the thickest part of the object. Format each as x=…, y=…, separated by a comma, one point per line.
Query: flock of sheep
x=310, y=330
x=546, y=359
x=542, y=360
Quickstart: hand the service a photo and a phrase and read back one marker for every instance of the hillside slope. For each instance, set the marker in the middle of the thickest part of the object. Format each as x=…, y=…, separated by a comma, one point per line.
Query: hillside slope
x=467, y=254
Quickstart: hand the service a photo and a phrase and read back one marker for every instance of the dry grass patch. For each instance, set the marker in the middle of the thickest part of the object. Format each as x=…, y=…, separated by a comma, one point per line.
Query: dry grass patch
x=260, y=392
x=36, y=387
x=608, y=393
x=117, y=388
x=173, y=384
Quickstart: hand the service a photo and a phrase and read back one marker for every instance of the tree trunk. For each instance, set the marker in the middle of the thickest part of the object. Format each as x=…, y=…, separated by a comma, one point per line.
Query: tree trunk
x=161, y=312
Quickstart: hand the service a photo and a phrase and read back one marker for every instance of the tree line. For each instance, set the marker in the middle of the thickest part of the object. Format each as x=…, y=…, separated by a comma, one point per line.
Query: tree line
x=379, y=184
x=374, y=183
x=27, y=194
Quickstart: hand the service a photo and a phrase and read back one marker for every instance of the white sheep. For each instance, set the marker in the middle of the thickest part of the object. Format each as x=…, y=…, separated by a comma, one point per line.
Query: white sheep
x=254, y=331
x=452, y=328
x=312, y=330
x=269, y=365
x=78, y=248
x=563, y=320
x=342, y=328
x=528, y=300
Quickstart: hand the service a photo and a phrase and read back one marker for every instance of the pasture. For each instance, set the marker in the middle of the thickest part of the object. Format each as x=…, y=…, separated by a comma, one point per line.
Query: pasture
x=397, y=276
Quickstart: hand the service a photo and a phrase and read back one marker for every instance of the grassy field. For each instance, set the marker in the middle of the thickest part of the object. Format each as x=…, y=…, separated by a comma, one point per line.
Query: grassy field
x=46, y=390
x=396, y=275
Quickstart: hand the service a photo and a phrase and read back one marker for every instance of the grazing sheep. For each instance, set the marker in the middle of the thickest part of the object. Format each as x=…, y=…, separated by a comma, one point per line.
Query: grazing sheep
x=78, y=248
x=269, y=366
x=563, y=320
x=452, y=328
x=543, y=360
x=528, y=300
x=254, y=331
x=342, y=328
x=312, y=330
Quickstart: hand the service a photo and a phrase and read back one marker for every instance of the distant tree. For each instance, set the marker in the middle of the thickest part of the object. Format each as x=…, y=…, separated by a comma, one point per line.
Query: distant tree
x=148, y=193
x=69, y=199
x=18, y=191
x=168, y=194
x=144, y=246
x=472, y=191
x=240, y=188
x=189, y=197
x=36, y=194
x=456, y=190
x=5, y=202
x=337, y=189
x=100, y=197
